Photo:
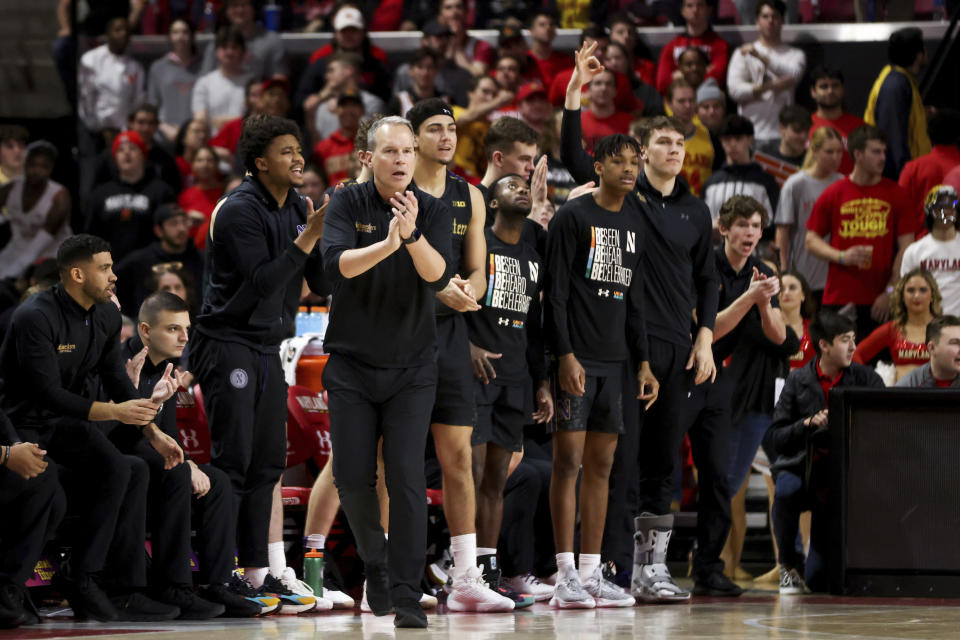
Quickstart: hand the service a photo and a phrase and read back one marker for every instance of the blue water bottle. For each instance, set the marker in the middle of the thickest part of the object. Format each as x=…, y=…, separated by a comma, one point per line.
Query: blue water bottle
x=271, y=16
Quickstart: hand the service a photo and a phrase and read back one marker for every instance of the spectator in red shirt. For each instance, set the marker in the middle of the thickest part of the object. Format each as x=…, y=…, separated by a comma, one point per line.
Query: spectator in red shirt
x=191, y=136
x=619, y=60
x=601, y=118
x=922, y=174
x=826, y=89
x=200, y=199
x=534, y=107
x=335, y=154
x=796, y=303
x=558, y=88
x=508, y=74
x=692, y=64
x=473, y=55
x=227, y=138
x=870, y=222
x=543, y=30
x=624, y=31
x=349, y=35
x=697, y=33
x=511, y=43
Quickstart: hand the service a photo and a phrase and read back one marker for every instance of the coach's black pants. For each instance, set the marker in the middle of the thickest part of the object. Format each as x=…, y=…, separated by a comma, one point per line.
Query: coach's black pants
x=367, y=403
x=526, y=535
x=169, y=520
x=31, y=509
x=107, y=491
x=245, y=396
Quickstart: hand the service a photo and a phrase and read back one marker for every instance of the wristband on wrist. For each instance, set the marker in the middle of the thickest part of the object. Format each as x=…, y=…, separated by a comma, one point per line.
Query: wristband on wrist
x=840, y=259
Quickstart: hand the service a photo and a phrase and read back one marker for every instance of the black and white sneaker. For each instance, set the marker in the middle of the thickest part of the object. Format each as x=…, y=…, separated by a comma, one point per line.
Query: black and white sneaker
x=791, y=584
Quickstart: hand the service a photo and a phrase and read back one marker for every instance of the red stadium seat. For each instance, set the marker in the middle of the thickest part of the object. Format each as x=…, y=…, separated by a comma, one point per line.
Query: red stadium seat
x=295, y=496
x=308, y=427
x=727, y=13
x=837, y=11
x=192, y=425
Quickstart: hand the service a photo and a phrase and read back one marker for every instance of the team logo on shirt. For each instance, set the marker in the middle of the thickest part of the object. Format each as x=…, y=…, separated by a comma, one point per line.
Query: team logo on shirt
x=618, y=295
x=459, y=229
x=300, y=228
x=66, y=348
x=605, y=260
x=459, y=203
x=565, y=412
x=238, y=378
x=864, y=218
x=506, y=286
x=365, y=228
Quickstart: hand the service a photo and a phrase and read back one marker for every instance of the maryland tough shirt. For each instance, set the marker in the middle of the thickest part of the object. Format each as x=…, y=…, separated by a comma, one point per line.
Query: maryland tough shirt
x=851, y=215
x=508, y=321
x=592, y=256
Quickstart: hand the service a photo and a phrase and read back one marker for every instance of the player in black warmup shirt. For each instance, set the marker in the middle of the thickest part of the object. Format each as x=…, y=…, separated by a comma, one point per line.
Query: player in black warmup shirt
x=679, y=276
x=385, y=249
x=262, y=243
x=454, y=412
x=506, y=347
x=594, y=318
x=57, y=341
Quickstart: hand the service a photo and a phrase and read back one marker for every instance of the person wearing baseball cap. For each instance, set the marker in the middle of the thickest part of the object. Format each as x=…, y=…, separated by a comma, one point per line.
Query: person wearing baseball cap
x=121, y=209
x=264, y=55
x=534, y=105
x=452, y=79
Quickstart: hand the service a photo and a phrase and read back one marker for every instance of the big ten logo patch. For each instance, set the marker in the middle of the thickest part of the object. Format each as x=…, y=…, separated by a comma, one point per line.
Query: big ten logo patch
x=605, y=260
x=864, y=218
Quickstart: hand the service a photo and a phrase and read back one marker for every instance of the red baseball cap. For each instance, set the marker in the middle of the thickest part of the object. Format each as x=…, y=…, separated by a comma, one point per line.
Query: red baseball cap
x=270, y=83
x=129, y=136
x=529, y=89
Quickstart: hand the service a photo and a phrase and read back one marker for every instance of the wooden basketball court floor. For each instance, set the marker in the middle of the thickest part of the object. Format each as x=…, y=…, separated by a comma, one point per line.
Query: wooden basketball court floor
x=757, y=614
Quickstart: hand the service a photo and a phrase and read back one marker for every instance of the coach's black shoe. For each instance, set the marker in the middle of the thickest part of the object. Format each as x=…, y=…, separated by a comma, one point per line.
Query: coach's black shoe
x=136, y=607
x=191, y=605
x=716, y=584
x=378, y=589
x=410, y=615
x=12, y=612
x=85, y=596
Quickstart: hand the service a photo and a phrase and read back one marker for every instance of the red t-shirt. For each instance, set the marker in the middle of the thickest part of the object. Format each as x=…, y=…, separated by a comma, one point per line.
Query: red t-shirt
x=806, y=353
x=944, y=384
x=857, y=215
x=624, y=100
x=229, y=135
x=553, y=65
x=827, y=383
x=921, y=174
x=204, y=201
x=334, y=155
x=595, y=128
x=844, y=125
x=186, y=171
x=710, y=43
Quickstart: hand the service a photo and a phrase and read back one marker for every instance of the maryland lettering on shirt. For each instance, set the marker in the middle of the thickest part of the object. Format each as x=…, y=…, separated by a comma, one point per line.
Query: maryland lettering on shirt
x=941, y=264
x=864, y=218
x=507, y=288
x=605, y=260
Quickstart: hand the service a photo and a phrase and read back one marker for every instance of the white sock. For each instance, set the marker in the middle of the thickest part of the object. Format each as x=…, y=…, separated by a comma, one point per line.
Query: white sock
x=565, y=563
x=315, y=541
x=256, y=575
x=588, y=565
x=276, y=558
x=486, y=551
x=464, y=549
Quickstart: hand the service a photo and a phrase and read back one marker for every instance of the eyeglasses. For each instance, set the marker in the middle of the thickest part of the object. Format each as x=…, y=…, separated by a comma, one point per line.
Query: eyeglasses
x=164, y=267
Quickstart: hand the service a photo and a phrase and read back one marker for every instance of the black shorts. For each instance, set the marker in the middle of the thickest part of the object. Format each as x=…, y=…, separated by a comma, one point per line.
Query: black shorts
x=502, y=412
x=599, y=409
x=454, y=403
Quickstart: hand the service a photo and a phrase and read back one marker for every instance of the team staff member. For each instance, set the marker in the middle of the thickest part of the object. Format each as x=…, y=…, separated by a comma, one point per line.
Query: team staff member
x=593, y=304
x=262, y=242
x=58, y=339
x=506, y=348
x=33, y=505
x=162, y=334
x=679, y=275
x=435, y=136
x=385, y=249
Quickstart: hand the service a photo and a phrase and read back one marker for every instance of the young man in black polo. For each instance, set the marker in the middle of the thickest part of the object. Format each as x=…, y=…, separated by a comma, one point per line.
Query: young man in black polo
x=679, y=276
x=58, y=340
x=799, y=427
x=594, y=318
x=506, y=348
x=385, y=249
x=162, y=333
x=262, y=243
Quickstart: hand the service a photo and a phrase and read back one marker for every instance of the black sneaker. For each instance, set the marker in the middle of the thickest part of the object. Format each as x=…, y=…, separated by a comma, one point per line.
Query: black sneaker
x=491, y=575
x=192, y=606
x=378, y=589
x=410, y=615
x=235, y=604
x=12, y=612
x=241, y=586
x=136, y=607
x=85, y=596
x=716, y=584
x=290, y=602
x=30, y=609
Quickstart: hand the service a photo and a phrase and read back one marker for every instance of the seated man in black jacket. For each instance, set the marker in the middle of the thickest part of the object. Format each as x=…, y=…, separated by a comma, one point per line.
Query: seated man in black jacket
x=798, y=434
x=150, y=356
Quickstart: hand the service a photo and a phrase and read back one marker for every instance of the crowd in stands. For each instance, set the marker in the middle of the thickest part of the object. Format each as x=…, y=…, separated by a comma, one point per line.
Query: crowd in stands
x=831, y=237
